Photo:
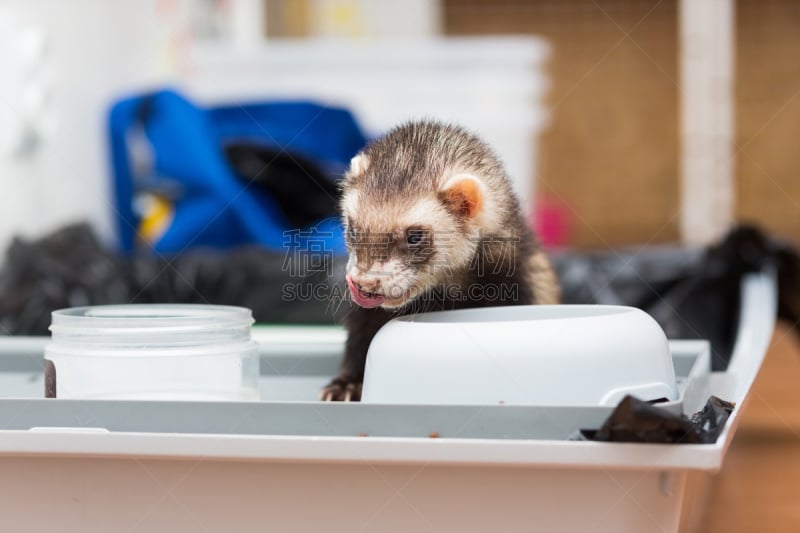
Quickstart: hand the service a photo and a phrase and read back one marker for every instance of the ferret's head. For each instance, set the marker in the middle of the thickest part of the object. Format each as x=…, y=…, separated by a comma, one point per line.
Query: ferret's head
x=415, y=204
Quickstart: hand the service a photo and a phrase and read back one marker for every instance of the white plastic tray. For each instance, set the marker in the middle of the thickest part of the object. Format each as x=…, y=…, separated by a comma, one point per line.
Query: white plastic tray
x=150, y=466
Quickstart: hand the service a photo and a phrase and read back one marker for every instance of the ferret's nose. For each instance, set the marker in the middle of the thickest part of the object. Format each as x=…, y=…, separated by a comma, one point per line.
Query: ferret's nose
x=366, y=284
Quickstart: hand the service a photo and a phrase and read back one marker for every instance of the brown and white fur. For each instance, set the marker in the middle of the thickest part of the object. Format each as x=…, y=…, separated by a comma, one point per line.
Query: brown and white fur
x=432, y=224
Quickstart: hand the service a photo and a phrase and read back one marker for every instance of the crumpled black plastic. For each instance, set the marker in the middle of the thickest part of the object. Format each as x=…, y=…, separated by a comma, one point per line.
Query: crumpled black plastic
x=635, y=420
x=71, y=268
x=67, y=268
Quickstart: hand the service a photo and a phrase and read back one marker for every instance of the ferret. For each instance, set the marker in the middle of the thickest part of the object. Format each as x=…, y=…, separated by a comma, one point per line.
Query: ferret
x=431, y=224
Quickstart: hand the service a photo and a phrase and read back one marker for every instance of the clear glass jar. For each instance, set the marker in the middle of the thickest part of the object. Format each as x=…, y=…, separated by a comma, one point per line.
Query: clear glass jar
x=152, y=352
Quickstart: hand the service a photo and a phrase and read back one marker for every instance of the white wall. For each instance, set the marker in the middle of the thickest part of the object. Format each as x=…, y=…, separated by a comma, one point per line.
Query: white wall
x=81, y=54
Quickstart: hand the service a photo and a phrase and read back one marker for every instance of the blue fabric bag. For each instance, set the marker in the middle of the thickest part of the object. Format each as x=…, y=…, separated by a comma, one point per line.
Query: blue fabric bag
x=174, y=188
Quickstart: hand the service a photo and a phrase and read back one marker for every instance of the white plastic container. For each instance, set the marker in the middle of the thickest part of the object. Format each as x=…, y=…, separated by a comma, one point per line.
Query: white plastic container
x=152, y=352
x=521, y=355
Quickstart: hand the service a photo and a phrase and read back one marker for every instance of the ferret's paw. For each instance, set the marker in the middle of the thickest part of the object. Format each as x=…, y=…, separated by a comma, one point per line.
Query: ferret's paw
x=341, y=390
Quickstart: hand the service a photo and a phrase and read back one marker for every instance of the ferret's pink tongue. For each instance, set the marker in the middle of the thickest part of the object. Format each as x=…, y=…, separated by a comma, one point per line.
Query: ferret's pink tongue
x=361, y=298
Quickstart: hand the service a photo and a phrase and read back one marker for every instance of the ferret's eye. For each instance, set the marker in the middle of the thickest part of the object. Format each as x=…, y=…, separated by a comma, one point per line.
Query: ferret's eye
x=414, y=237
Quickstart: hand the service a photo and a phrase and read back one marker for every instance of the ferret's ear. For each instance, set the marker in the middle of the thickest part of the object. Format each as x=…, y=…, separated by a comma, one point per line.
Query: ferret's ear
x=463, y=195
x=359, y=164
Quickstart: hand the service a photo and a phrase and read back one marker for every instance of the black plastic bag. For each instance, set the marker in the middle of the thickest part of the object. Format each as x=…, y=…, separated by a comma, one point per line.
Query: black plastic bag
x=71, y=268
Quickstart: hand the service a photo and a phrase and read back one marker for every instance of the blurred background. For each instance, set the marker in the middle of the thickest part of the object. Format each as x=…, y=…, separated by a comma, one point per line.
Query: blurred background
x=622, y=122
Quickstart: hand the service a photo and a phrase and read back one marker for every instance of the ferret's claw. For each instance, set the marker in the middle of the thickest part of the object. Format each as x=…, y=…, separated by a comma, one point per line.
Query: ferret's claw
x=341, y=390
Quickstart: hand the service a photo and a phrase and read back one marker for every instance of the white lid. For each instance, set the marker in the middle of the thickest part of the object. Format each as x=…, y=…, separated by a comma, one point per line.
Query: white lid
x=159, y=323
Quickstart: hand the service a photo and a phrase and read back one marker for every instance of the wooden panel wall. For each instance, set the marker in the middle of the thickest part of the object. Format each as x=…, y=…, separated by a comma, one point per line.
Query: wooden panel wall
x=768, y=114
x=612, y=151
